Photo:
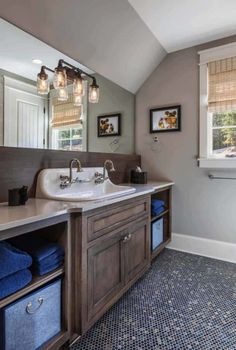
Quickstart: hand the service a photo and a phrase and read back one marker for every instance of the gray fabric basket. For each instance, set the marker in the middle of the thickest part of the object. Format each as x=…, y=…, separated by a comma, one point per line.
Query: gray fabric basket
x=31, y=321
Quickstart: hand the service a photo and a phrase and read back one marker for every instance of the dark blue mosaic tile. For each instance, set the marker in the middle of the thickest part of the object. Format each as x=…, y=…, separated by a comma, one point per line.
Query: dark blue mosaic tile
x=184, y=302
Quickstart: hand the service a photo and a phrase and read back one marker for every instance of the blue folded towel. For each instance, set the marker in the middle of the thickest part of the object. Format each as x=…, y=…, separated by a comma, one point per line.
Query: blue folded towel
x=38, y=247
x=157, y=203
x=42, y=270
x=14, y=282
x=12, y=259
x=158, y=211
x=53, y=258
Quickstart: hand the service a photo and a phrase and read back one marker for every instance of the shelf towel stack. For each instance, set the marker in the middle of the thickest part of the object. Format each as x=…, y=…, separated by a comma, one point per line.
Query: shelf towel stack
x=14, y=272
x=157, y=207
x=47, y=256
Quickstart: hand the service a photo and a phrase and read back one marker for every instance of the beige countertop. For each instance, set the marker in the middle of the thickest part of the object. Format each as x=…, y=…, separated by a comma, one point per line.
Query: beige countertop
x=40, y=209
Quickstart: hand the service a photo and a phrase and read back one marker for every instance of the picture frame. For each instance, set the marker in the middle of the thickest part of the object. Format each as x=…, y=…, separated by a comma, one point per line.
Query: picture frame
x=109, y=125
x=165, y=119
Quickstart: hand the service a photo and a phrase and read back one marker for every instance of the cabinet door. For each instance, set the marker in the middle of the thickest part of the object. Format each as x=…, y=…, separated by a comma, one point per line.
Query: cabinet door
x=105, y=273
x=137, y=250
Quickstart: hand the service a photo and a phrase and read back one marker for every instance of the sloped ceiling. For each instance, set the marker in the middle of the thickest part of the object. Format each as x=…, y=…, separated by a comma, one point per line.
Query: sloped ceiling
x=184, y=23
x=124, y=40
x=108, y=36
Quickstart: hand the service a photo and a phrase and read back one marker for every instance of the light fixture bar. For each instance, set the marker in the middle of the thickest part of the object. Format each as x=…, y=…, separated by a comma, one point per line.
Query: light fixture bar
x=64, y=71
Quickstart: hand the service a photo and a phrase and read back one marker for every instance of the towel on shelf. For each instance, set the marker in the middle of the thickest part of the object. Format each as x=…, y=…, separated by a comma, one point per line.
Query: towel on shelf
x=12, y=259
x=39, y=248
x=157, y=206
x=44, y=269
x=48, y=264
x=14, y=282
x=157, y=211
x=51, y=259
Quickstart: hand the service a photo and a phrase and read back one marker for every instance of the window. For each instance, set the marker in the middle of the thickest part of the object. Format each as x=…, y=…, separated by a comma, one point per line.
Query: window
x=67, y=123
x=218, y=107
x=68, y=138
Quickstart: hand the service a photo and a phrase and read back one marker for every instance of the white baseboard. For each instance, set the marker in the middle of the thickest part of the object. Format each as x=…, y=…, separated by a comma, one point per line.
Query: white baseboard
x=205, y=247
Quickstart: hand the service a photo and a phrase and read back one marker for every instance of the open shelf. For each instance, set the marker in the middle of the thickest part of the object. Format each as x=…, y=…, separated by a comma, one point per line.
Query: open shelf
x=36, y=282
x=57, y=341
x=164, y=195
x=153, y=218
x=159, y=249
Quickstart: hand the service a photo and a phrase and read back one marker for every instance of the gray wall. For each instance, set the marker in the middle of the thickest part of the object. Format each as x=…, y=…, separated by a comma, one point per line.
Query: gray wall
x=201, y=207
x=113, y=99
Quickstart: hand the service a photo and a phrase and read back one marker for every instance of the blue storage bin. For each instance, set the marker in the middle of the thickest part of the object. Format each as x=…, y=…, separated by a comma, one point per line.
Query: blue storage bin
x=157, y=233
x=31, y=321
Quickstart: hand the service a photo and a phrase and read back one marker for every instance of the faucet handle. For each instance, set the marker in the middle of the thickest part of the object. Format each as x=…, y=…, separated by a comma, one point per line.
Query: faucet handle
x=64, y=177
x=97, y=174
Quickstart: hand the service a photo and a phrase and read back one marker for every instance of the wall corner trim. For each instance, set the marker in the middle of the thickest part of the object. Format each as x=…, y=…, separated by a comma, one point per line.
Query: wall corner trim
x=205, y=247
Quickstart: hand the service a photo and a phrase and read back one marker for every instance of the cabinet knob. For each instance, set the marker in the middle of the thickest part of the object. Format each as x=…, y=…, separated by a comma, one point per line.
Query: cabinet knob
x=127, y=238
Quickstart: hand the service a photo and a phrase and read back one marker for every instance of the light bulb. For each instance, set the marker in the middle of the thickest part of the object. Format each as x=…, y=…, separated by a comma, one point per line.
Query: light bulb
x=60, y=78
x=62, y=94
x=94, y=92
x=42, y=82
x=77, y=100
x=78, y=86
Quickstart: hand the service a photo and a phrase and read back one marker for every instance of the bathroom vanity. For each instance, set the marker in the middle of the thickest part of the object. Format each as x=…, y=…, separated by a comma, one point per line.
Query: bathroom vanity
x=107, y=249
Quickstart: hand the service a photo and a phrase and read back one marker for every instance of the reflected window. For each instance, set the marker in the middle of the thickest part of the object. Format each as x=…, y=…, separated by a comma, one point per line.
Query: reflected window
x=67, y=123
x=68, y=138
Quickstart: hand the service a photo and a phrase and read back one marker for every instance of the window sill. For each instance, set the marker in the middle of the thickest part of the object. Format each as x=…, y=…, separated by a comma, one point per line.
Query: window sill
x=213, y=163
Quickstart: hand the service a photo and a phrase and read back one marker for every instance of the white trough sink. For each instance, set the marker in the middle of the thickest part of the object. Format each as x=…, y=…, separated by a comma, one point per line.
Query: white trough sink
x=48, y=186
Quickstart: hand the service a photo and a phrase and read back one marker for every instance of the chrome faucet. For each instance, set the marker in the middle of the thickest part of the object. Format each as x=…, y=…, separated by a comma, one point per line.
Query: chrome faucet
x=100, y=178
x=67, y=181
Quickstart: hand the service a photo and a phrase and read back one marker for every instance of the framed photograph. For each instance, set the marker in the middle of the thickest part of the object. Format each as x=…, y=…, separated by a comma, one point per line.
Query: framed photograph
x=109, y=125
x=165, y=119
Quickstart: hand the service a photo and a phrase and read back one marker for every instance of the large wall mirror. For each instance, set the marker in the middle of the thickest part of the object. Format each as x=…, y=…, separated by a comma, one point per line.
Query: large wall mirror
x=31, y=120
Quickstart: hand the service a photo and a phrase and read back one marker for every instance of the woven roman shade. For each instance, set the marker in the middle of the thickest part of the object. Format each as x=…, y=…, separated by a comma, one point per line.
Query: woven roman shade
x=64, y=113
x=222, y=85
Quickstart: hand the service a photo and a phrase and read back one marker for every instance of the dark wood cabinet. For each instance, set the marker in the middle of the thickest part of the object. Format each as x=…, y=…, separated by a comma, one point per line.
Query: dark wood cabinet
x=114, y=252
x=105, y=272
x=137, y=250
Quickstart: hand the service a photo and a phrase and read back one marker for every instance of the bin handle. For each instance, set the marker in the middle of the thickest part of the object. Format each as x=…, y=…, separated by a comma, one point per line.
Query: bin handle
x=29, y=306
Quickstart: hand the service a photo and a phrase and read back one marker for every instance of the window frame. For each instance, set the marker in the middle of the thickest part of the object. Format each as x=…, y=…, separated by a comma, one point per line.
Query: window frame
x=205, y=141
x=56, y=139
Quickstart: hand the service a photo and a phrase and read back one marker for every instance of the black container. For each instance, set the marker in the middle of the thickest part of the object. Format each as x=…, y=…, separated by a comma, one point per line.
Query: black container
x=17, y=196
x=14, y=197
x=138, y=177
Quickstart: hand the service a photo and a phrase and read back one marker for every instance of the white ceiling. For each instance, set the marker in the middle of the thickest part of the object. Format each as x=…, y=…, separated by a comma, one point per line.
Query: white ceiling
x=178, y=24
x=107, y=36
x=18, y=49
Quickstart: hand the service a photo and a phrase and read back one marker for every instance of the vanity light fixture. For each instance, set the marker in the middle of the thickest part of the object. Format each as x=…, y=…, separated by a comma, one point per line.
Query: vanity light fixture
x=77, y=100
x=94, y=92
x=78, y=86
x=78, y=103
x=60, y=77
x=42, y=82
x=62, y=94
x=62, y=73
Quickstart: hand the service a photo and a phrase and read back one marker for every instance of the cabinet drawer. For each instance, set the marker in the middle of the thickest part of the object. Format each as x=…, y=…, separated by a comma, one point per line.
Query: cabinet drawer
x=111, y=219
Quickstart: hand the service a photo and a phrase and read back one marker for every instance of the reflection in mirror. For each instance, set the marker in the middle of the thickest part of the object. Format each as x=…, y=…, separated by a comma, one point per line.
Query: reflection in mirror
x=59, y=119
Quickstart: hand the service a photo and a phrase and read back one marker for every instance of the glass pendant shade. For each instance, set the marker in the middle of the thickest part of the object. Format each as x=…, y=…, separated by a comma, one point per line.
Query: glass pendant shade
x=42, y=82
x=94, y=92
x=77, y=100
x=78, y=86
x=60, y=78
x=62, y=94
